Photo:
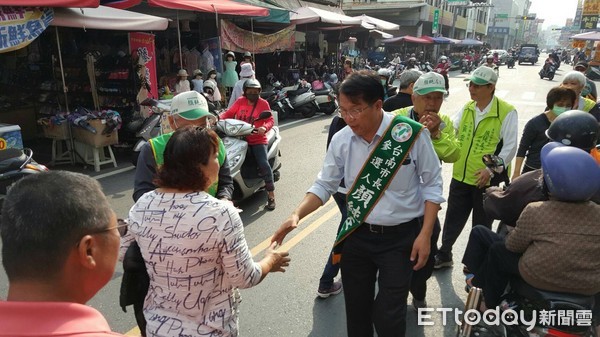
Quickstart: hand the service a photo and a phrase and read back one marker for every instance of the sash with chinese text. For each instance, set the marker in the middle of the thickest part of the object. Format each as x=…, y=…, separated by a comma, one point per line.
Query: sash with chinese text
x=376, y=174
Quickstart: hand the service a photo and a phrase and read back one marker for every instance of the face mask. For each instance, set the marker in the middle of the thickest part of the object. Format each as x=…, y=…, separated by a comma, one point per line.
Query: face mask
x=252, y=97
x=383, y=82
x=559, y=109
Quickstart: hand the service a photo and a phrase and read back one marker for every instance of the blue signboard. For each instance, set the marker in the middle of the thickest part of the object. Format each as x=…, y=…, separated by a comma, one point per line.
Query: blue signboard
x=21, y=25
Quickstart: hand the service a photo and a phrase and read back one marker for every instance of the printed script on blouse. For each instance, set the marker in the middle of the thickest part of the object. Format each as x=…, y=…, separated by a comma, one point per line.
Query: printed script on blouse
x=196, y=256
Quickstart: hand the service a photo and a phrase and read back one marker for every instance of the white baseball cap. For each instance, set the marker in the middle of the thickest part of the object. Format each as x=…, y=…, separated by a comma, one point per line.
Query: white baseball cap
x=483, y=75
x=429, y=82
x=189, y=105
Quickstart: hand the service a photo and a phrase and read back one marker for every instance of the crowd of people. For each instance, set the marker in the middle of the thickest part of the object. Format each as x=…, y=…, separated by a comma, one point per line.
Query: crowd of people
x=183, y=240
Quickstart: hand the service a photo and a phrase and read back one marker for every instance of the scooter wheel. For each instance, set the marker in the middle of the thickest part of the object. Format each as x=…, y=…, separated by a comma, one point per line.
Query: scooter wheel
x=541, y=77
x=134, y=158
x=308, y=112
x=551, y=77
x=283, y=114
x=329, y=110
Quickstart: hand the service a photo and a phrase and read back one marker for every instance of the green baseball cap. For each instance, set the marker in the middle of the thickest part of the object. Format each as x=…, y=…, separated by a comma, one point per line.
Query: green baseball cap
x=483, y=75
x=189, y=105
x=429, y=82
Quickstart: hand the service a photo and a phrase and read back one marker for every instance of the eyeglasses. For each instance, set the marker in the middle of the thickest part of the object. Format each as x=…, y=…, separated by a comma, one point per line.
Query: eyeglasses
x=105, y=230
x=352, y=113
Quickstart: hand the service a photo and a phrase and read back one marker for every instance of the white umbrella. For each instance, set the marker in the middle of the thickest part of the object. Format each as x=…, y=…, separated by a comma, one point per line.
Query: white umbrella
x=378, y=23
x=107, y=18
x=589, y=36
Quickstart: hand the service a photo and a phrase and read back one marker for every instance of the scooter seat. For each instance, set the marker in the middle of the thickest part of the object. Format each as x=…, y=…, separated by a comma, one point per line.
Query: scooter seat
x=322, y=92
x=297, y=92
x=553, y=299
x=11, y=159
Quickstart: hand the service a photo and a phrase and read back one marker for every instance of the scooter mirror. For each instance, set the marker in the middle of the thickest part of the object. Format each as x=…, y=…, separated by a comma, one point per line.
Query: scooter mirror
x=264, y=115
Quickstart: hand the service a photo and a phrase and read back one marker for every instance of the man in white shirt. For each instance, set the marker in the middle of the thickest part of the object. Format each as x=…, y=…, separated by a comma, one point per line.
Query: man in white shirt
x=485, y=125
x=391, y=236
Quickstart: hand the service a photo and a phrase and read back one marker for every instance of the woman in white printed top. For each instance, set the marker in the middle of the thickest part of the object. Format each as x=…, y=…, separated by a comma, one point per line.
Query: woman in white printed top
x=193, y=245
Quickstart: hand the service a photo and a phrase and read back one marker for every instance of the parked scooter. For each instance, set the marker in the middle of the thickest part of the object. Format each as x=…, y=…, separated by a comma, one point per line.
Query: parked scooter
x=277, y=99
x=528, y=303
x=325, y=99
x=548, y=70
x=301, y=100
x=149, y=127
x=244, y=169
x=16, y=164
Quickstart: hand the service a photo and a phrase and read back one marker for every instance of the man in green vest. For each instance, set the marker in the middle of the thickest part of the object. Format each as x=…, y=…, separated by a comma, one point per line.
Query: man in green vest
x=427, y=96
x=485, y=125
x=187, y=108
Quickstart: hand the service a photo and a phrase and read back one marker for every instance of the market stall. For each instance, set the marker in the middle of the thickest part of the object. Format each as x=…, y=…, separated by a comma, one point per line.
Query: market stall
x=55, y=88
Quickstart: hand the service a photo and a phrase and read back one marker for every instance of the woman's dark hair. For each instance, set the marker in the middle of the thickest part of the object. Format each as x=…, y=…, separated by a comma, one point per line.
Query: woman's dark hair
x=364, y=85
x=559, y=93
x=188, y=148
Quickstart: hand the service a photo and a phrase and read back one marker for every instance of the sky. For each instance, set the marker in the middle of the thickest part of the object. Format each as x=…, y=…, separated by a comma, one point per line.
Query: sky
x=555, y=12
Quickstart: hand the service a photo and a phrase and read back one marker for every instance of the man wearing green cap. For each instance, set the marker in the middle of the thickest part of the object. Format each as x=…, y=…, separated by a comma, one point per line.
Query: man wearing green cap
x=187, y=108
x=485, y=125
x=427, y=96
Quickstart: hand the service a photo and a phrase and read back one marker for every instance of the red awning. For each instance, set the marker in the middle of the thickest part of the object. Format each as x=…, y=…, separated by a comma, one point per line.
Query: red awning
x=120, y=4
x=221, y=7
x=409, y=39
x=52, y=3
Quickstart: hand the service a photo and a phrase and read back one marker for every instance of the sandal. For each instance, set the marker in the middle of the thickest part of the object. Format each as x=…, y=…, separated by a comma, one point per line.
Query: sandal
x=468, y=278
x=270, y=204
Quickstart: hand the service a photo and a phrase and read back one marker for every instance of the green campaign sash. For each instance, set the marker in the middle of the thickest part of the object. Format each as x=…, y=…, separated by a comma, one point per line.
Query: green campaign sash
x=376, y=174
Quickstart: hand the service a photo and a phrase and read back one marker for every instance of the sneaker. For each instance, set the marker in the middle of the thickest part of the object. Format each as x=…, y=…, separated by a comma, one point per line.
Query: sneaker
x=335, y=289
x=419, y=304
x=270, y=204
x=442, y=261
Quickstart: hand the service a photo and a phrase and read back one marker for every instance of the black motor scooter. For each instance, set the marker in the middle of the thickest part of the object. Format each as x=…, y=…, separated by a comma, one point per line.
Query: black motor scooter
x=16, y=164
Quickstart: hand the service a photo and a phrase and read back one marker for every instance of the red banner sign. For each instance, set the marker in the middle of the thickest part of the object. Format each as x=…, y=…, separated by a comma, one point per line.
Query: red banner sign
x=143, y=52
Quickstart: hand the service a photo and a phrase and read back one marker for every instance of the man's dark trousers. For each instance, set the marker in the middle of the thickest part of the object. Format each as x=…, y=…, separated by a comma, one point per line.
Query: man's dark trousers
x=461, y=200
x=364, y=255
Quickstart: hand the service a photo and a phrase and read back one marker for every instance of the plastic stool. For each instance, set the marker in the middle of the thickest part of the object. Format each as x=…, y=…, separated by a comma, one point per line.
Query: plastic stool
x=60, y=156
x=98, y=156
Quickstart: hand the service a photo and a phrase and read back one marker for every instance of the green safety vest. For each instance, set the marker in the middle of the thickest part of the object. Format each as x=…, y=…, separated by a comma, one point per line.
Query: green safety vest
x=588, y=105
x=158, y=145
x=446, y=147
x=480, y=140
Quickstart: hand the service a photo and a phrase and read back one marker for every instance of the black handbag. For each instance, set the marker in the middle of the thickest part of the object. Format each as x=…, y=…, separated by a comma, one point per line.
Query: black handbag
x=135, y=282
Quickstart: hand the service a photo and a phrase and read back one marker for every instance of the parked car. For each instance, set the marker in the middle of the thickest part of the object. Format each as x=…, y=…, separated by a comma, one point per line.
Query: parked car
x=502, y=55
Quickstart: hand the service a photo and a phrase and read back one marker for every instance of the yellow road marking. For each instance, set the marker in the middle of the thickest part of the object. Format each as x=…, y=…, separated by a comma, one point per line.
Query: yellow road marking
x=267, y=242
x=286, y=246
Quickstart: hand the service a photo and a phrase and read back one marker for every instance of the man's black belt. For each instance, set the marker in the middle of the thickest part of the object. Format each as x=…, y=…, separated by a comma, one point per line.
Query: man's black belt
x=378, y=229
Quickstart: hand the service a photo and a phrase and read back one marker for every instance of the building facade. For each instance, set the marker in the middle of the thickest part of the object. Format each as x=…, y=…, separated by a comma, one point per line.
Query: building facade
x=416, y=17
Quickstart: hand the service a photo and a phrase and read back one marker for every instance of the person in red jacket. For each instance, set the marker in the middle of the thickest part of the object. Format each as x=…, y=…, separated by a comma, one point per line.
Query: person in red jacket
x=247, y=108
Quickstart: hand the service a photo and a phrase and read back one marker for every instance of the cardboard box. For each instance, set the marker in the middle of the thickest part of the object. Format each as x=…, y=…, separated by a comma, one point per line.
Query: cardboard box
x=95, y=139
x=58, y=132
x=10, y=137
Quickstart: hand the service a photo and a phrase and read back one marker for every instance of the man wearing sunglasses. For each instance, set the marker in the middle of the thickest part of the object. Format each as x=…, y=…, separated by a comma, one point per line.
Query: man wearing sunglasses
x=485, y=125
x=57, y=255
x=394, y=179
